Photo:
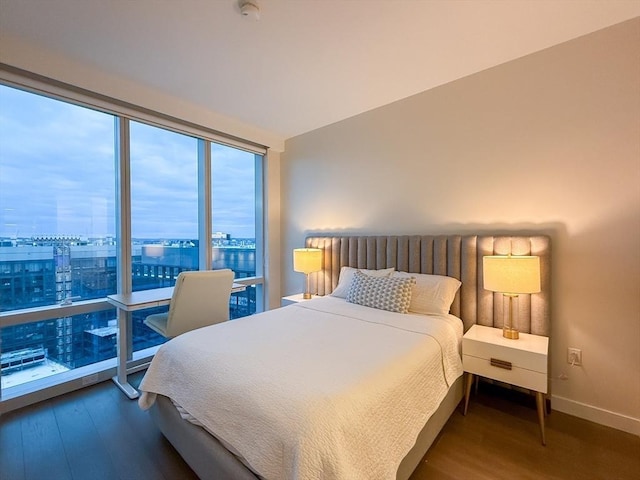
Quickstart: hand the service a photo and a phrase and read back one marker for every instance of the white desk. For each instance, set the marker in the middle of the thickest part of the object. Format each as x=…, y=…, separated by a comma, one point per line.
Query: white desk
x=130, y=302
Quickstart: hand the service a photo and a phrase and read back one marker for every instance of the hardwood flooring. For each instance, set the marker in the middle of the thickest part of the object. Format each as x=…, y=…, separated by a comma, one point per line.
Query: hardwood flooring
x=499, y=439
x=97, y=433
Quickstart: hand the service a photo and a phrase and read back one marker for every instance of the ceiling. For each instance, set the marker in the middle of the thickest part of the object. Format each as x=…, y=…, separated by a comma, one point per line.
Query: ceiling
x=305, y=63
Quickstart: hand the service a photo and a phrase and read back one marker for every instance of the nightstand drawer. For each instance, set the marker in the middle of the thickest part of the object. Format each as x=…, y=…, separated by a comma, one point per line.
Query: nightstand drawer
x=515, y=375
x=513, y=353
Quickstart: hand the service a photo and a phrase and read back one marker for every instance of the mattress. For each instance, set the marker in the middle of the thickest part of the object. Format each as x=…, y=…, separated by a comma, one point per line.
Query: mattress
x=320, y=389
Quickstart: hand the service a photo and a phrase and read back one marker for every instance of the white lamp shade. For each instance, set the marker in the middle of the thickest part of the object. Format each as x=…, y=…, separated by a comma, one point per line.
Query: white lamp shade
x=307, y=260
x=511, y=274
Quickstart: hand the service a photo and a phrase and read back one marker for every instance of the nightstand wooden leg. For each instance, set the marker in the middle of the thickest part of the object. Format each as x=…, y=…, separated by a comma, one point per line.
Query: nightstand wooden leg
x=541, y=411
x=467, y=391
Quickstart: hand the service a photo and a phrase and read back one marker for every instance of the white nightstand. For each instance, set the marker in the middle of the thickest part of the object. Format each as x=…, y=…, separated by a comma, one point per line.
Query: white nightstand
x=521, y=362
x=291, y=299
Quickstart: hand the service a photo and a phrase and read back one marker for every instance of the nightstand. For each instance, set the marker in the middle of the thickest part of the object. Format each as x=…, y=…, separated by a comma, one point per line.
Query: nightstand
x=521, y=362
x=291, y=299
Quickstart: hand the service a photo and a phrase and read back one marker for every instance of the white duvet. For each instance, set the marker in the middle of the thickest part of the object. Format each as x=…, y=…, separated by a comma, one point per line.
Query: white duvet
x=323, y=389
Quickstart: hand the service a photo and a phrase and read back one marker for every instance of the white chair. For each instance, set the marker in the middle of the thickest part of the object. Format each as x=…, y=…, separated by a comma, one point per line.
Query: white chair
x=200, y=298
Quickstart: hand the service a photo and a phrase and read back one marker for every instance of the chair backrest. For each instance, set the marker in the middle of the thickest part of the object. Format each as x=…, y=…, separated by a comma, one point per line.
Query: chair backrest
x=200, y=298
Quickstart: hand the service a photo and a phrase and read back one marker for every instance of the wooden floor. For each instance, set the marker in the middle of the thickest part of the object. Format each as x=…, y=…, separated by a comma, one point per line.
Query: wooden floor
x=97, y=433
x=499, y=439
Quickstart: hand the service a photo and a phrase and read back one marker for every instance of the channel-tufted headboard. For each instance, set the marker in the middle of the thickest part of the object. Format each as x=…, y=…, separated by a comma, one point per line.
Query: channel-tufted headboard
x=458, y=256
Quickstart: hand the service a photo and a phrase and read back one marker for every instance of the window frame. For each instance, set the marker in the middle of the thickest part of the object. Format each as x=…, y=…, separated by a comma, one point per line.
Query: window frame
x=123, y=113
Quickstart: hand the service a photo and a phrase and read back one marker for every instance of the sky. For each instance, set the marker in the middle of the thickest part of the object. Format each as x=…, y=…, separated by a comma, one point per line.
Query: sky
x=57, y=175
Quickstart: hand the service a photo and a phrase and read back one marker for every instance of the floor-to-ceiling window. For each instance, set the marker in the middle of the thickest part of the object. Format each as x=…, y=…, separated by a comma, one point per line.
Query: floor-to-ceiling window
x=236, y=219
x=164, y=205
x=59, y=191
x=57, y=226
x=57, y=195
x=164, y=215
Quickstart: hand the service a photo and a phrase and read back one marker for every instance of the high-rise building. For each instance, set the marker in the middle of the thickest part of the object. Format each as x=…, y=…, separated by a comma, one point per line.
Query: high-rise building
x=51, y=270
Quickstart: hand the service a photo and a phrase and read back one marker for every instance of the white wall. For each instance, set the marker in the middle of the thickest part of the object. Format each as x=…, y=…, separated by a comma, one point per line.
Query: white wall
x=272, y=238
x=547, y=143
x=20, y=54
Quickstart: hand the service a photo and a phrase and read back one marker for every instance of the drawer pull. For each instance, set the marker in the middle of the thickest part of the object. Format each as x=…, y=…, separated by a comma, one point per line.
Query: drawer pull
x=501, y=363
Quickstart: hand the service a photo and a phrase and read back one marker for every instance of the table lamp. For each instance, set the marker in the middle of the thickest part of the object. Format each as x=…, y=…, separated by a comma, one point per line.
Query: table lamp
x=307, y=260
x=511, y=275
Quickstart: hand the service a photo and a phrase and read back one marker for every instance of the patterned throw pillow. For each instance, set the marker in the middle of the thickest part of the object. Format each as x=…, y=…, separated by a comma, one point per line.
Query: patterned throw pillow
x=384, y=293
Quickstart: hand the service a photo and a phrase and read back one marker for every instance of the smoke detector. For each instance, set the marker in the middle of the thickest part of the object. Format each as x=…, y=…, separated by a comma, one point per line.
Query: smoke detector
x=250, y=9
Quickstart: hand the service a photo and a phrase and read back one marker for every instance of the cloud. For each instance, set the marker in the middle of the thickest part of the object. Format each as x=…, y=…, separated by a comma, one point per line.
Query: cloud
x=57, y=175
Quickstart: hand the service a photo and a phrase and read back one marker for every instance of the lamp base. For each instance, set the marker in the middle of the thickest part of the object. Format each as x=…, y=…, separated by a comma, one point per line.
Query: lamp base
x=306, y=296
x=510, y=333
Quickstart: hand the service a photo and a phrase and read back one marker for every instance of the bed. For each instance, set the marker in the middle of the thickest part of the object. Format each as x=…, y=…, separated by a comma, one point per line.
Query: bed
x=375, y=411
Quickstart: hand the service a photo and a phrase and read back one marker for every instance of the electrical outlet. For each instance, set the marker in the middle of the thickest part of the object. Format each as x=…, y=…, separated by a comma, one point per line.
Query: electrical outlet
x=574, y=356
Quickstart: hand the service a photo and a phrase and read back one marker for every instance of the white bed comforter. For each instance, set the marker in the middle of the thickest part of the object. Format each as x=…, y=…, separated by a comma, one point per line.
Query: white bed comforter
x=323, y=389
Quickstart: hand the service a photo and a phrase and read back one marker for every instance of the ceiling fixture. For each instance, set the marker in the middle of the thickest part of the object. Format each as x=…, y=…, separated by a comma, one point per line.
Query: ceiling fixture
x=250, y=9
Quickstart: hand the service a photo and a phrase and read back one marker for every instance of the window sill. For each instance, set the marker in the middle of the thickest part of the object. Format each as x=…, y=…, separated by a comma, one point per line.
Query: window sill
x=38, y=390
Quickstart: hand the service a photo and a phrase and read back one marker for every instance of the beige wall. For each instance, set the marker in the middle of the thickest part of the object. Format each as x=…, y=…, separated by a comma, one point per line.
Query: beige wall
x=272, y=239
x=548, y=143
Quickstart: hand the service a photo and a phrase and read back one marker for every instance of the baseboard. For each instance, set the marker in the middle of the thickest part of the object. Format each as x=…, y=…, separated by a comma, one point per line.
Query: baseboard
x=597, y=415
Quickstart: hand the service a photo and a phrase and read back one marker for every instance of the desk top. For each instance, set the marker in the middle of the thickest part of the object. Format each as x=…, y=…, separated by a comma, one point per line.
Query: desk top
x=155, y=297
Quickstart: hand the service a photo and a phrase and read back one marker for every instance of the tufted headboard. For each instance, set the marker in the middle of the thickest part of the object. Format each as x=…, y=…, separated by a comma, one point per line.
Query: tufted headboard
x=458, y=256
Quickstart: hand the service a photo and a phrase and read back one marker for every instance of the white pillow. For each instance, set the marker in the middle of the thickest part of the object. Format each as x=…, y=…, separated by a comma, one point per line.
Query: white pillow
x=385, y=293
x=432, y=294
x=346, y=276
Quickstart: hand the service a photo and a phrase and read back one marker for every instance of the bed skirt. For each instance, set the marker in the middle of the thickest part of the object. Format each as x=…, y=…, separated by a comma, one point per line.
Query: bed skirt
x=210, y=460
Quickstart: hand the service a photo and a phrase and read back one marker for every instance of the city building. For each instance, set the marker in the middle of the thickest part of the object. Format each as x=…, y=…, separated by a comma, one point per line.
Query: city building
x=42, y=271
